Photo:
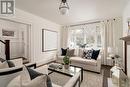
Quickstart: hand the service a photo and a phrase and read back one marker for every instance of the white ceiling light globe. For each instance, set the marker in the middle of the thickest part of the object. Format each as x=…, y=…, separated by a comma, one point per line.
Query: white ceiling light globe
x=64, y=10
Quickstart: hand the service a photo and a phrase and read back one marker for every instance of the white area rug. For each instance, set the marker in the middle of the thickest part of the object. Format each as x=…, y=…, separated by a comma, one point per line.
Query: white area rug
x=90, y=79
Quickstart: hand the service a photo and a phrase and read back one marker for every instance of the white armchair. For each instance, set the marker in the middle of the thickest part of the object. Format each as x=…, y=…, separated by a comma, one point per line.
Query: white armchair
x=8, y=76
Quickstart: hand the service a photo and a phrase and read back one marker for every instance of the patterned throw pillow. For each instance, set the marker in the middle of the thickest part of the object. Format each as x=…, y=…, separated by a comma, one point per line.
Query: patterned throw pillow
x=88, y=54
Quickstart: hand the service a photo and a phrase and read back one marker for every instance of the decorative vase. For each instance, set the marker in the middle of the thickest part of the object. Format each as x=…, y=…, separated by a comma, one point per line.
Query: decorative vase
x=66, y=66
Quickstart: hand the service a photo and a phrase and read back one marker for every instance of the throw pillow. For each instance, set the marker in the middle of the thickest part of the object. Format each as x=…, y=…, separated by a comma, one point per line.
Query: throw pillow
x=95, y=54
x=10, y=63
x=33, y=74
x=88, y=54
x=70, y=52
x=39, y=81
x=81, y=53
x=25, y=77
x=4, y=65
x=63, y=52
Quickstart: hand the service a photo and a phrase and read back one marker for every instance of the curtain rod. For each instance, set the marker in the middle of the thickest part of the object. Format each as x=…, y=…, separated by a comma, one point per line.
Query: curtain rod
x=85, y=23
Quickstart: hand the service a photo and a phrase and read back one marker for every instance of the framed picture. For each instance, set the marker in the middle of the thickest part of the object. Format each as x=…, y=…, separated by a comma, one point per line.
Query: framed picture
x=9, y=33
x=128, y=28
x=49, y=40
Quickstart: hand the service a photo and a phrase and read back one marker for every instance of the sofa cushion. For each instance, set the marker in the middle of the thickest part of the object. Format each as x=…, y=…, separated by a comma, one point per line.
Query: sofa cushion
x=84, y=61
x=60, y=58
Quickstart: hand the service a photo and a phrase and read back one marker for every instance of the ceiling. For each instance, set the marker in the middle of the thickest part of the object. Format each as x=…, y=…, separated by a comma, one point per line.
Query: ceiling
x=80, y=10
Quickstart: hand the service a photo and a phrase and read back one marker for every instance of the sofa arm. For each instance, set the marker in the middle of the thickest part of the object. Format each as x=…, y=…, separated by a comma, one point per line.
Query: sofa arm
x=9, y=71
x=99, y=63
x=7, y=74
x=99, y=59
x=74, y=81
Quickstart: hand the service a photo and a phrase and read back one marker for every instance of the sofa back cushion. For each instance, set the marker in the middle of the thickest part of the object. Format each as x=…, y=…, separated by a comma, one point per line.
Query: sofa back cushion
x=80, y=53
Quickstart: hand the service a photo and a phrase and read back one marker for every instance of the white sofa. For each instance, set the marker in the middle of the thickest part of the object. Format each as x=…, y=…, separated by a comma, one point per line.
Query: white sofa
x=86, y=64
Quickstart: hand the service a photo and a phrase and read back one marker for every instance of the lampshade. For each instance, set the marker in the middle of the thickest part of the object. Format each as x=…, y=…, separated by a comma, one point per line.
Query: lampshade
x=64, y=8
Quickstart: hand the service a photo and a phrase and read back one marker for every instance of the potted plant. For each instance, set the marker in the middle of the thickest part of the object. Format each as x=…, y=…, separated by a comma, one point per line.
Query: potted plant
x=66, y=61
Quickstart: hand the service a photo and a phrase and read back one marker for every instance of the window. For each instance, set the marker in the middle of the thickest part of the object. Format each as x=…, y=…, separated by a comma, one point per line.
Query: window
x=87, y=36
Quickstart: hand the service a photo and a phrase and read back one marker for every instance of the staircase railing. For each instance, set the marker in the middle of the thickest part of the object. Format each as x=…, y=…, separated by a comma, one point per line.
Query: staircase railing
x=7, y=48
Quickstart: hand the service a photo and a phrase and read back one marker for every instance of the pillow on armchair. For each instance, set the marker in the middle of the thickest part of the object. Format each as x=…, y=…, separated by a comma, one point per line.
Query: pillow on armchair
x=34, y=74
x=6, y=63
x=39, y=81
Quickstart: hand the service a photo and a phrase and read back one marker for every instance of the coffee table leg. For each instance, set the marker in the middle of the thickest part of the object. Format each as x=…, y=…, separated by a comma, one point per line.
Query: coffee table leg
x=79, y=82
x=81, y=74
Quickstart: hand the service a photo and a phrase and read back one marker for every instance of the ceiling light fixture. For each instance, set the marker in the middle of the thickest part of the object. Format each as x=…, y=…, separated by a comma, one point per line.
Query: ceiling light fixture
x=64, y=7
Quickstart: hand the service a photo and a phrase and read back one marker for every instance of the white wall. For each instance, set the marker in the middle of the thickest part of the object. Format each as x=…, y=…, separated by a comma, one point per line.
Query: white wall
x=37, y=24
x=126, y=16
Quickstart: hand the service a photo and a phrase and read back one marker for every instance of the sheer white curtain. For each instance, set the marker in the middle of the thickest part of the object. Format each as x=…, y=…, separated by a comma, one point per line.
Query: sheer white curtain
x=111, y=33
